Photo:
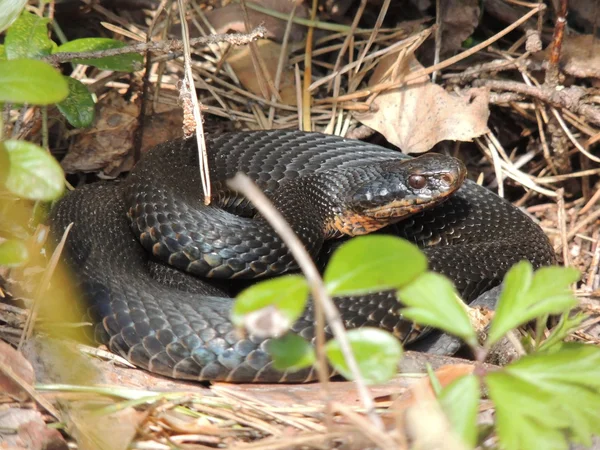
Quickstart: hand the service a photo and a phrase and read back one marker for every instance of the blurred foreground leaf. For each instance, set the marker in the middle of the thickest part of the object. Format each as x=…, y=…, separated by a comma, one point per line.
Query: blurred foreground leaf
x=286, y=296
x=31, y=81
x=291, y=352
x=9, y=11
x=377, y=353
x=460, y=402
x=526, y=296
x=373, y=263
x=432, y=300
x=34, y=174
x=13, y=253
x=544, y=398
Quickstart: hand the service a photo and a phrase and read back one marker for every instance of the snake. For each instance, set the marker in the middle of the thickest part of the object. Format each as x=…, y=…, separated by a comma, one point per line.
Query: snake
x=154, y=264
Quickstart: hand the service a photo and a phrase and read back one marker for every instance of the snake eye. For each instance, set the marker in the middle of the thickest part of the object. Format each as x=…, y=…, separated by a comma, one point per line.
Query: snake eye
x=417, y=181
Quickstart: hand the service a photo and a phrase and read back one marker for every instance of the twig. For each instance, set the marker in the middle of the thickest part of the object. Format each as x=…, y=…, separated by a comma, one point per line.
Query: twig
x=306, y=97
x=378, y=23
x=562, y=225
x=557, y=39
x=243, y=184
x=188, y=93
x=438, y=37
x=568, y=98
x=160, y=48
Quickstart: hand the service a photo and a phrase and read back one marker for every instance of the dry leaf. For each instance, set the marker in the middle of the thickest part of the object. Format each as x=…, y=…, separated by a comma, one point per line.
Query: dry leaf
x=102, y=431
x=32, y=432
x=14, y=361
x=36, y=435
x=241, y=62
x=417, y=116
x=580, y=56
x=105, y=146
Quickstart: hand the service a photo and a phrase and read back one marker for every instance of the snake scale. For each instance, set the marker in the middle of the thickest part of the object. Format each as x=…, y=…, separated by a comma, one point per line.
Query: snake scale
x=168, y=322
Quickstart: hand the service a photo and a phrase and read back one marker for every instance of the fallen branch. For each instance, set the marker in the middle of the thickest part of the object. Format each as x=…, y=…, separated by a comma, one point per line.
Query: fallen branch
x=160, y=48
x=568, y=98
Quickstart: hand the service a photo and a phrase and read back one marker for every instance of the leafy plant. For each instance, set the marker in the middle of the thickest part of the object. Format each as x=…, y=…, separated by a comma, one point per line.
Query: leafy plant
x=28, y=171
x=550, y=396
x=25, y=79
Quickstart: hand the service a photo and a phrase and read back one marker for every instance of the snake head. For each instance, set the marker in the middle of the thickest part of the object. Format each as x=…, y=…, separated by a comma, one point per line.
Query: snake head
x=393, y=190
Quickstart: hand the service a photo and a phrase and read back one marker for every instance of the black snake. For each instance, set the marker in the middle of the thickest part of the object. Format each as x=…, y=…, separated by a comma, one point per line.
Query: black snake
x=173, y=324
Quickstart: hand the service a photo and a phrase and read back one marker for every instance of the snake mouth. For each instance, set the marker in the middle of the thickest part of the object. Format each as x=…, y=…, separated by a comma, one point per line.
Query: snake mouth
x=397, y=210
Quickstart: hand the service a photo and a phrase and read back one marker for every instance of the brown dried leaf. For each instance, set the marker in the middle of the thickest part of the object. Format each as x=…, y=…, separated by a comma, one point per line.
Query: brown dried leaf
x=37, y=436
x=580, y=56
x=14, y=361
x=105, y=146
x=417, y=116
x=103, y=431
x=32, y=432
x=269, y=51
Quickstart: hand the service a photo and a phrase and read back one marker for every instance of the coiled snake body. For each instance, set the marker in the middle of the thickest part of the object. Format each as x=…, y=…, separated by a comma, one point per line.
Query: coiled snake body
x=173, y=324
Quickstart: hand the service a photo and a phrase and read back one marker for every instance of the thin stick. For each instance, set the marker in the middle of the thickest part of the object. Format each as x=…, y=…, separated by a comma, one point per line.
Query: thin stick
x=245, y=185
x=438, y=37
x=188, y=92
x=562, y=225
x=306, y=124
x=378, y=23
x=557, y=39
x=159, y=48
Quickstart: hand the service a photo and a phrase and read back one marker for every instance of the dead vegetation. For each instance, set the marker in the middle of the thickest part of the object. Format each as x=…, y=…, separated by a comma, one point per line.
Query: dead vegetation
x=521, y=95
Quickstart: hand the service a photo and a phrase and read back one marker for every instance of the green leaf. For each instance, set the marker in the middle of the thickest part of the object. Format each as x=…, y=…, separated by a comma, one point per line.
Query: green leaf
x=432, y=300
x=34, y=174
x=558, y=395
x=9, y=11
x=30, y=81
x=28, y=37
x=460, y=402
x=13, y=253
x=78, y=107
x=565, y=326
x=526, y=296
x=377, y=353
x=287, y=295
x=128, y=62
x=291, y=352
x=373, y=263
x=2, y=53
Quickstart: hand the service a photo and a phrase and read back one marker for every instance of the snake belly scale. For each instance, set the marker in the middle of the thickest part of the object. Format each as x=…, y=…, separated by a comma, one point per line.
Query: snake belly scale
x=173, y=324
